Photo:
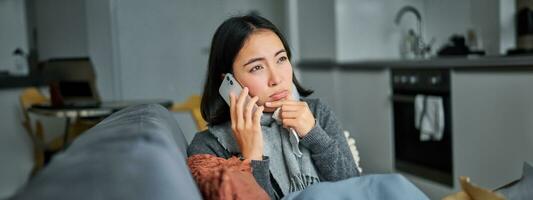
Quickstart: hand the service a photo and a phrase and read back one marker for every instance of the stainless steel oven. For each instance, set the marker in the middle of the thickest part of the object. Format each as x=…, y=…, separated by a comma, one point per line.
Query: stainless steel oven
x=431, y=160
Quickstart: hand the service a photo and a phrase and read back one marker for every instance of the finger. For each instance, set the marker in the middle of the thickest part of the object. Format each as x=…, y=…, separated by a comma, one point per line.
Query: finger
x=232, y=111
x=257, y=116
x=289, y=115
x=289, y=123
x=275, y=104
x=291, y=108
x=240, y=107
x=248, y=111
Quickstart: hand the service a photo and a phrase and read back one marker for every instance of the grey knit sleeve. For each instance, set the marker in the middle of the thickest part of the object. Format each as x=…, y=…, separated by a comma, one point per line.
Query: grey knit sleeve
x=330, y=152
x=261, y=172
x=206, y=143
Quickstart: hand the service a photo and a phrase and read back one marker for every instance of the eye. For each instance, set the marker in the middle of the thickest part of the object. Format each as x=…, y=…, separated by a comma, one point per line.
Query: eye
x=255, y=68
x=282, y=59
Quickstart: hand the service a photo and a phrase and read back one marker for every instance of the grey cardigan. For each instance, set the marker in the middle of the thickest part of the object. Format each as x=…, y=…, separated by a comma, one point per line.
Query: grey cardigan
x=330, y=153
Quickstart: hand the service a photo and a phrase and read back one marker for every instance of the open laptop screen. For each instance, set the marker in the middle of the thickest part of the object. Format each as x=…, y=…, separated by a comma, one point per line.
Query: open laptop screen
x=75, y=89
x=77, y=94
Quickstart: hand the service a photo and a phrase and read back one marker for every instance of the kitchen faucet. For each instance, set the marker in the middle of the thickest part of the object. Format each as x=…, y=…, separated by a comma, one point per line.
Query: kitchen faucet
x=417, y=46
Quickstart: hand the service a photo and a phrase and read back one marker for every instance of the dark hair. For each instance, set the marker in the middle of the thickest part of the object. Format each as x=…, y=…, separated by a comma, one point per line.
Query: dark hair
x=226, y=44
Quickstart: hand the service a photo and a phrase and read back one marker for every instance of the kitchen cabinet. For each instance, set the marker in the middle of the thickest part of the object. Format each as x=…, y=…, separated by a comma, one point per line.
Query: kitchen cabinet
x=492, y=124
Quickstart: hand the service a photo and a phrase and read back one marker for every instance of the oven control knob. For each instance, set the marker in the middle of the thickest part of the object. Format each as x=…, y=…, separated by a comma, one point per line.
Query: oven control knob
x=403, y=79
x=413, y=80
x=435, y=80
x=396, y=79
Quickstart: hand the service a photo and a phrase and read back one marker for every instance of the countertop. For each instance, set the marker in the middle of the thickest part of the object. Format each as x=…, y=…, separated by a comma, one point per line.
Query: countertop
x=462, y=63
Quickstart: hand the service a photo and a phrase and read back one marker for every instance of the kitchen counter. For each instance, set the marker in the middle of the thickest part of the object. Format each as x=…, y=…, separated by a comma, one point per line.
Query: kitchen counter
x=7, y=81
x=469, y=63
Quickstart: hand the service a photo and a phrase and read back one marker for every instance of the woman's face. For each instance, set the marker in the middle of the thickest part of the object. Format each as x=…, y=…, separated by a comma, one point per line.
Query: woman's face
x=262, y=65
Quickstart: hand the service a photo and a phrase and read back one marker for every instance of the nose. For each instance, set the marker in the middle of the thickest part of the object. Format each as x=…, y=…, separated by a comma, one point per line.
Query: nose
x=275, y=77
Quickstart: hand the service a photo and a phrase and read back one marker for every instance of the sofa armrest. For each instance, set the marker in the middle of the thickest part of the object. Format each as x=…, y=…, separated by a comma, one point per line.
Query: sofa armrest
x=132, y=154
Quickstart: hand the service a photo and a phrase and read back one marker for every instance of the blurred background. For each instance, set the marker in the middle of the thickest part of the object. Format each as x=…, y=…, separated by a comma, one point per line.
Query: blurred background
x=360, y=56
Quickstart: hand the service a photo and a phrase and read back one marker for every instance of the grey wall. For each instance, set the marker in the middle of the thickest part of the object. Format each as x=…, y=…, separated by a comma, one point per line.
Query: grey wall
x=61, y=28
x=507, y=25
x=167, y=58
x=485, y=15
x=366, y=28
x=15, y=151
x=100, y=46
x=316, y=29
x=16, y=155
x=13, y=32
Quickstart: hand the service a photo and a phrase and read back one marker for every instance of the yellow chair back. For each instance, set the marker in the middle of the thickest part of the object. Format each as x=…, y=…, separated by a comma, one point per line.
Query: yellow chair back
x=192, y=105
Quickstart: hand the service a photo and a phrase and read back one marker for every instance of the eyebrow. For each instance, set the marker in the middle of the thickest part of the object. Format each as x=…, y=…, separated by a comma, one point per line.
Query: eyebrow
x=262, y=58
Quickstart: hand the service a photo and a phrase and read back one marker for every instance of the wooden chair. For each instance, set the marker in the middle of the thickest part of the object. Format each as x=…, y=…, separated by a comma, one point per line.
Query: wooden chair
x=29, y=97
x=192, y=105
x=43, y=150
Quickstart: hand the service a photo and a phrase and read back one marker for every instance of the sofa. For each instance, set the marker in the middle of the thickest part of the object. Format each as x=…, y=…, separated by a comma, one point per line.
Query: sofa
x=136, y=153
x=140, y=153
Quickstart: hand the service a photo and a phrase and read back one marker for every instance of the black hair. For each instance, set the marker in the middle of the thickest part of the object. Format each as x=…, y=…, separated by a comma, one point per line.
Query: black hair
x=227, y=41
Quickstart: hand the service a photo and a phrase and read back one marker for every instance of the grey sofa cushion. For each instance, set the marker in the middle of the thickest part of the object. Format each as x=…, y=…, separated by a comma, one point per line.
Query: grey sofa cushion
x=130, y=155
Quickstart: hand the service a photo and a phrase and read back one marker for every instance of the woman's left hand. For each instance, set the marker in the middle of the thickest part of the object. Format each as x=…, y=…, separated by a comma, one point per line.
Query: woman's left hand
x=295, y=114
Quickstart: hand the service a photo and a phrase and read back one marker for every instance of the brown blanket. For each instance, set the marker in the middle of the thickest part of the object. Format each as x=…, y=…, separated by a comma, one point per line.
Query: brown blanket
x=220, y=178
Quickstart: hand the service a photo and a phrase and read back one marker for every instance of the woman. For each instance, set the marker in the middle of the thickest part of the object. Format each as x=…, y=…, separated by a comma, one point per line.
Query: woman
x=255, y=52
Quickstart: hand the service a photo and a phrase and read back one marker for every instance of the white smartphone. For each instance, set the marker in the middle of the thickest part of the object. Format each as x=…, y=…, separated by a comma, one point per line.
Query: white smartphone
x=230, y=85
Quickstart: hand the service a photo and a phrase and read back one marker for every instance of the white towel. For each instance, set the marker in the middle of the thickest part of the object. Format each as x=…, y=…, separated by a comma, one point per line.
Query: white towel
x=429, y=117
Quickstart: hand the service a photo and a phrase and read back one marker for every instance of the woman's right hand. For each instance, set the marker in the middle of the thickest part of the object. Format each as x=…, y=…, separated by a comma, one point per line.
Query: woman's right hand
x=246, y=125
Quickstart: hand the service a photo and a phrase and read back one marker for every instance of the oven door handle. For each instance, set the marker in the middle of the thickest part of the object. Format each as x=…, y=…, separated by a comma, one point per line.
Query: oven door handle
x=403, y=98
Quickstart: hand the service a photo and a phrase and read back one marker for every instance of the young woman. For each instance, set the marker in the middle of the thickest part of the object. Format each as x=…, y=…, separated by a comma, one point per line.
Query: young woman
x=254, y=51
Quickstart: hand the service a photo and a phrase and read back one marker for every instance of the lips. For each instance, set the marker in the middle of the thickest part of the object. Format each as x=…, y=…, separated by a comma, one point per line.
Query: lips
x=279, y=95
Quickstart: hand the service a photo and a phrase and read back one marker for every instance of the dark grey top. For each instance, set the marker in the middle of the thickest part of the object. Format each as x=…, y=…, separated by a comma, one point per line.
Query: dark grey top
x=330, y=153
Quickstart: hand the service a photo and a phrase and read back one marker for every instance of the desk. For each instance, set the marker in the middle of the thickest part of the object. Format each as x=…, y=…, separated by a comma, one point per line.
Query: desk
x=104, y=109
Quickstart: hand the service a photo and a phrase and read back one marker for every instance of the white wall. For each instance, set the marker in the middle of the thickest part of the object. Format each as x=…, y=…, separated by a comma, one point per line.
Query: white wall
x=444, y=18
x=507, y=25
x=16, y=154
x=485, y=15
x=15, y=145
x=61, y=28
x=316, y=29
x=168, y=57
x=13, y=32
x=366, y=28
x=273, y=10
x=100, y=46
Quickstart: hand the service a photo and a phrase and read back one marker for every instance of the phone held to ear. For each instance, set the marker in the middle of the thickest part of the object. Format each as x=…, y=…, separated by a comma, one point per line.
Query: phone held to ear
x=230, y=85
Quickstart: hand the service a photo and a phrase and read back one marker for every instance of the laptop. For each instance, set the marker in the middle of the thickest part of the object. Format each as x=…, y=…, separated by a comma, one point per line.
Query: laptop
x=77, y=94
